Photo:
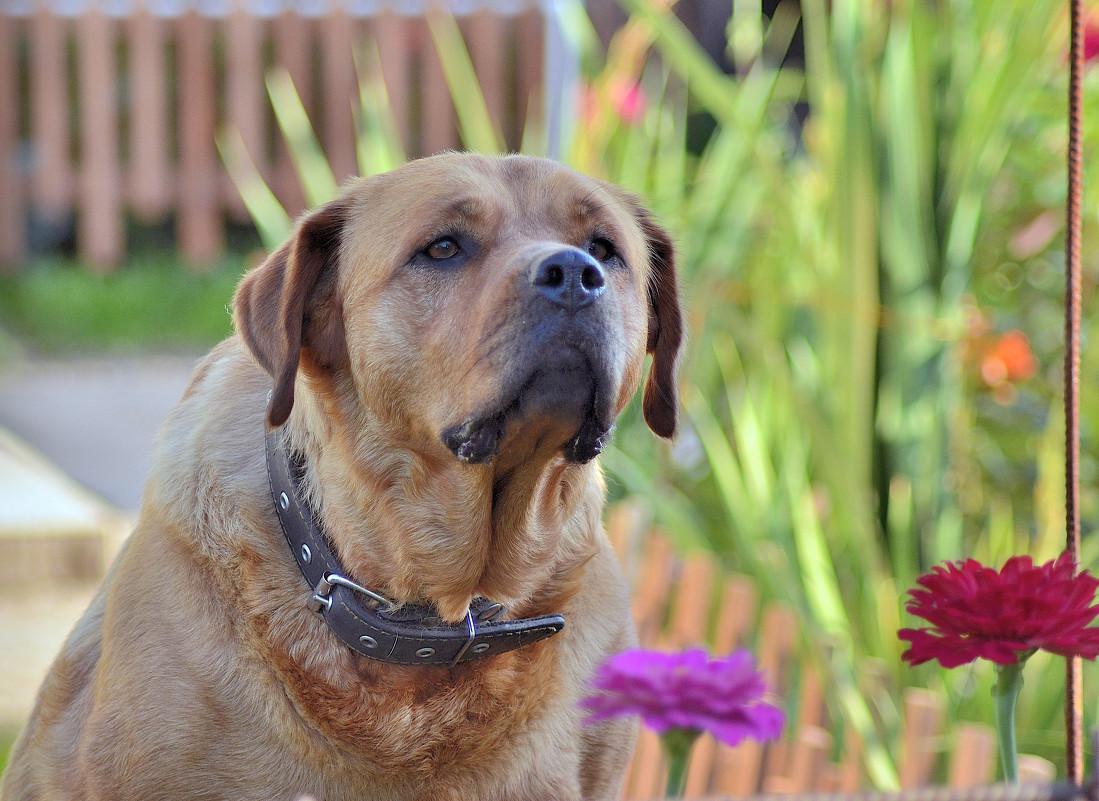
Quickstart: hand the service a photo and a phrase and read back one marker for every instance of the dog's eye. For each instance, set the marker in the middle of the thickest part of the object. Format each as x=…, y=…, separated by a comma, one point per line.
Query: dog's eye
x=600, y=249
x=442, y=249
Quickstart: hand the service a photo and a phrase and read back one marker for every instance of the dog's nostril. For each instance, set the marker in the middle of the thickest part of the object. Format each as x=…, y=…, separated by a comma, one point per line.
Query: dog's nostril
x=592, y=278
x=550, y=275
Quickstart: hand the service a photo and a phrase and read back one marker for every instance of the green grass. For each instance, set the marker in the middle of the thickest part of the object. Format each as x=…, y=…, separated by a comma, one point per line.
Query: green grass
x=7, y=740
x=152, y=302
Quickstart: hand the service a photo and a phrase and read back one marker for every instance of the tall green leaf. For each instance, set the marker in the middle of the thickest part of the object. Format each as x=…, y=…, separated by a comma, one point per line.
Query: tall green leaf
x=311, y=166
x=478, y=131
x=270, y=218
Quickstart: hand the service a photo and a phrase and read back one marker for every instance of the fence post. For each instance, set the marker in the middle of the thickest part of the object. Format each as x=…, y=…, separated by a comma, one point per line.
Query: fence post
x=438, y=127
x=12, y=232
x=293, y=36
x=200, y=235
x=150, y=193
x=52, y=184
x=973, y=758
x=245, y=98
x=101, y=234
x=338, y=34
x=484, y=33
x=923, y=721
x=392, y=34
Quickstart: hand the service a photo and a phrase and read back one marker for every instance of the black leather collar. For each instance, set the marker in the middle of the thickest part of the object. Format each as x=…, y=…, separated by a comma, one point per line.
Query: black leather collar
x=368, y=622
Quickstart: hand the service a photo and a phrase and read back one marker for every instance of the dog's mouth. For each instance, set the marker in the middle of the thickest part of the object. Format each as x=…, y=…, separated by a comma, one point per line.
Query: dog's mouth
x=569, y=392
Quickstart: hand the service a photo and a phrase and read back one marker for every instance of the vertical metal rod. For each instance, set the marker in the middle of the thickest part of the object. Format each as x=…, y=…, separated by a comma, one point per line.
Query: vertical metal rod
x=1074, y=767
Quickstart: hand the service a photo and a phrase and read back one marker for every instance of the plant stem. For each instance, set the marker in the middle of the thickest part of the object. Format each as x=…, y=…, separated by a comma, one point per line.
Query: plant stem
x=1009, y=680
x=677, y=747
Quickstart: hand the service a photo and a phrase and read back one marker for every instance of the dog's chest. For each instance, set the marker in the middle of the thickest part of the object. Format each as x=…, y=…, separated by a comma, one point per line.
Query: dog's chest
x=425, y=723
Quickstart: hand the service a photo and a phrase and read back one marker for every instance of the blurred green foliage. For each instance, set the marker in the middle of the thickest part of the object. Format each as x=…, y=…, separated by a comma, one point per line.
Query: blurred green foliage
x=856, y=408
x=7, y=741
x=152, y=301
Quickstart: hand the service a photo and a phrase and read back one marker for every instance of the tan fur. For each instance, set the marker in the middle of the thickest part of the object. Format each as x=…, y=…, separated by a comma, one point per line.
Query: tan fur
x=198, y=672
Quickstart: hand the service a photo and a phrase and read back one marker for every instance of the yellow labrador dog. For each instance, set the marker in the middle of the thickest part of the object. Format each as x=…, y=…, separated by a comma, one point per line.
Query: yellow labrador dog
x=369, y=562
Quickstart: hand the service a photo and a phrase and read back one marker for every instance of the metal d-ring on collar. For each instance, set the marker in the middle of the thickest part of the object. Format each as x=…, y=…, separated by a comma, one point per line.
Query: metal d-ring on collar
x=367, y=621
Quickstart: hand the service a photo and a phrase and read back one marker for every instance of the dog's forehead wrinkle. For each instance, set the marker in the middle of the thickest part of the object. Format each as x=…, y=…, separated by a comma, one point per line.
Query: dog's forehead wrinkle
x=468, y=209
x=537, y=192
x=597, y=213
x=595, y=201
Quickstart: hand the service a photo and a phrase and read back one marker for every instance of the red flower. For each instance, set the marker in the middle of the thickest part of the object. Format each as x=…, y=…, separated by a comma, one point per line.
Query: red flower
x=1091, y=41
x=976, y=612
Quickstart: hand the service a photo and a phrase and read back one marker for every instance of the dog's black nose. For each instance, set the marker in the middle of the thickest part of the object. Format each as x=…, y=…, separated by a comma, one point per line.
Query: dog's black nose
x=569, y=278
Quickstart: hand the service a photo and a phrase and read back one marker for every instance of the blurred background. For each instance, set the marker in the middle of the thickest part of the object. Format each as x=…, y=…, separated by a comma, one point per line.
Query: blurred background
x=867, y=198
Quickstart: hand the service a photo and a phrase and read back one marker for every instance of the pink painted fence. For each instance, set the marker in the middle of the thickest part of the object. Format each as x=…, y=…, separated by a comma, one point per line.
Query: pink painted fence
x=112, y=110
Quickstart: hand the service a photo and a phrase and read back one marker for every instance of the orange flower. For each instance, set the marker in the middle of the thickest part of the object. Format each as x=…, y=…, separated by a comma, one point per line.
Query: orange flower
x=1008, y=360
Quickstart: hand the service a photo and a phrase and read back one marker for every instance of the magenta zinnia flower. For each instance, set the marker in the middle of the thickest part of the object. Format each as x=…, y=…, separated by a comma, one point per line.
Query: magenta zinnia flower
x=686, y=691
x=977, y=612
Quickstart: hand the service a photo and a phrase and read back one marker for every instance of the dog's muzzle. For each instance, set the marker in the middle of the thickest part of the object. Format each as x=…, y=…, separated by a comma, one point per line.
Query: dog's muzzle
x=561, y=370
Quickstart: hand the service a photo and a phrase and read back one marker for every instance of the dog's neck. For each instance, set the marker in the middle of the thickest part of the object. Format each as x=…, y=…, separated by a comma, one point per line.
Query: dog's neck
x=412, y=520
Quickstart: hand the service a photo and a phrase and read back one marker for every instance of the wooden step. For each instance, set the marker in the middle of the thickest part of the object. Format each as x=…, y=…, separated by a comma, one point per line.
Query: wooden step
x=50, y=527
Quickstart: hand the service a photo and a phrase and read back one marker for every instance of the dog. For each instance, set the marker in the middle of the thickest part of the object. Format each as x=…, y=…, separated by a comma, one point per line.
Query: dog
x=369, y=562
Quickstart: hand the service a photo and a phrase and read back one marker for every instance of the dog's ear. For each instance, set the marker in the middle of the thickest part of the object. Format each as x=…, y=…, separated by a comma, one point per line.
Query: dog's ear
x=289, y=306
x=660, y=402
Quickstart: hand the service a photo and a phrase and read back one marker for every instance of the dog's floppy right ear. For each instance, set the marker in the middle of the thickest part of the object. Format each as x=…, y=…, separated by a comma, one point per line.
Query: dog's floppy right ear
x=660, y=402
x=291, y=302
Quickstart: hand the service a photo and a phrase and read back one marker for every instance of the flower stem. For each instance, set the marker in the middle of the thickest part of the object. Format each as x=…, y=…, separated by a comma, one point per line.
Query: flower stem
x=1009, y=680
x=677, y=747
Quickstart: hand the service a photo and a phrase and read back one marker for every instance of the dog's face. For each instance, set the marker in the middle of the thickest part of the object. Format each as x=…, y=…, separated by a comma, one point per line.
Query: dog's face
x=494, y=307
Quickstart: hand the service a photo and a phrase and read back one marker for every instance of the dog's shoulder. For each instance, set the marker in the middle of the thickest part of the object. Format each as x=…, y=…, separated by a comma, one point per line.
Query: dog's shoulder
x=208, y=475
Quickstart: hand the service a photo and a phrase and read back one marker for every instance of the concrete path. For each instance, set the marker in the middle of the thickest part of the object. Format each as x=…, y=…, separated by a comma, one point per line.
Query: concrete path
x=76, y=440
x=94, y=418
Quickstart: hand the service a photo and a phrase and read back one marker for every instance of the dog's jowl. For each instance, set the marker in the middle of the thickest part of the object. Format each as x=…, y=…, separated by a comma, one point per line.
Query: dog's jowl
x=369, y=562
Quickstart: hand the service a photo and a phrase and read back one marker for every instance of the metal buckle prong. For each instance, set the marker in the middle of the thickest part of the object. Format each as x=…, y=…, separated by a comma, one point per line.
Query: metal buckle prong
x=491, y=613
x=329, y=580
x=471, y=623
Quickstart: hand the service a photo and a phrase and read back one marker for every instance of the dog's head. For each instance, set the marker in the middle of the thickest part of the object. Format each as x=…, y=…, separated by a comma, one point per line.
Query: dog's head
x=491, y=306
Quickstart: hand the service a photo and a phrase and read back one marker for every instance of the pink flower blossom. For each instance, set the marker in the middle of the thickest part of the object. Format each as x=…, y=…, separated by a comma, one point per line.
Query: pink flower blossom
x=629, y=101
x=686, y=691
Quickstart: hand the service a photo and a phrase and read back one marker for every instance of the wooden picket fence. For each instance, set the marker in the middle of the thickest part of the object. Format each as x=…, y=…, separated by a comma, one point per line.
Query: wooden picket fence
x=679, y=602
x=111, y=107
